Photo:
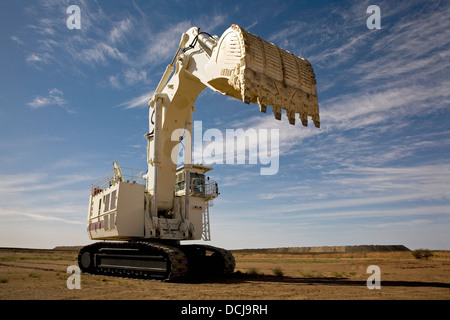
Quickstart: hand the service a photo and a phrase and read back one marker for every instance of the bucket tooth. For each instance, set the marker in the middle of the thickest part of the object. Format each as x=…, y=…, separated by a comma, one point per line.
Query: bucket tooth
x=304, y=118
x=276, y=112
x=292, y=121
x=291, y=116
x=316, y=120
x=262, y=105
x=262, y=108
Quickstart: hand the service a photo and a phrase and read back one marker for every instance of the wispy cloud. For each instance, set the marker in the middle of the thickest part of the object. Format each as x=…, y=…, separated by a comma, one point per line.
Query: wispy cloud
x=415, y=222
x=101, y=53
x=114, y=81
x=44, y=197
x=392, y=105
x=55, y=97
x=132, y=42
x=426, y=181
x=37, y=182
x=141, y=101
x=128, y=77
x=33, y=58
x=119, y=31
x=290, y=137
x=17, y=40
x=344, y=52
x=96, y=43
x=416, y=46
x=251, y=25
x=422, y=53
x=362, y=191
x=133, y=76
x=38, y=217
x=163, y=44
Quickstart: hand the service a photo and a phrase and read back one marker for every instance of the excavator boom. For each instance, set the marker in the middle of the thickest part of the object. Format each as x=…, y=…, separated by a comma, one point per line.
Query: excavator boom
x=238, y=64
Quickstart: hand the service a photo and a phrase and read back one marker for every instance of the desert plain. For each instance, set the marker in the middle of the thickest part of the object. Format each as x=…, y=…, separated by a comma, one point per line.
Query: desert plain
x=38, y=274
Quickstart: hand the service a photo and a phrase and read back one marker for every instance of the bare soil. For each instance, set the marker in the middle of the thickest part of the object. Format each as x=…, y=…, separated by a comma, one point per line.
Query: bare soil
x=42, y=275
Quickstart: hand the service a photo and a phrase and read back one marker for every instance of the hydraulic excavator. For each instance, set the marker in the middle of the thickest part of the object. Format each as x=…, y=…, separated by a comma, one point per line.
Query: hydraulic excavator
x=142, y=217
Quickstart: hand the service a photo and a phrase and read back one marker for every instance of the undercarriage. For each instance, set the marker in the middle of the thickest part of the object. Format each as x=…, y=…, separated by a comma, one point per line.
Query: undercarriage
x=155, y=260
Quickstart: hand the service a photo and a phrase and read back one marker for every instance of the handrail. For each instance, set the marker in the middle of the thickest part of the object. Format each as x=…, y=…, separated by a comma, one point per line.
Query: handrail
x=129, y=174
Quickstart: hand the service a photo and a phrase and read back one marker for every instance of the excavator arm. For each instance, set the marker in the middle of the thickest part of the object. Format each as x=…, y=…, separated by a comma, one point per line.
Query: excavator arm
x=238, y=64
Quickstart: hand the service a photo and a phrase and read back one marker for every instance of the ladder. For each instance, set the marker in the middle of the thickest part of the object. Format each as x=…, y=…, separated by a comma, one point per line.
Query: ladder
x=206, y=233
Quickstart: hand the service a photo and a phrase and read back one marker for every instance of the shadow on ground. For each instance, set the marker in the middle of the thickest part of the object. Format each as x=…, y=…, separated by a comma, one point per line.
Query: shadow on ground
x=238, y=277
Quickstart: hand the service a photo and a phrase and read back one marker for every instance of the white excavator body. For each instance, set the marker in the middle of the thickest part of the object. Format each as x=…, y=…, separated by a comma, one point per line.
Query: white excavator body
x=172, y=204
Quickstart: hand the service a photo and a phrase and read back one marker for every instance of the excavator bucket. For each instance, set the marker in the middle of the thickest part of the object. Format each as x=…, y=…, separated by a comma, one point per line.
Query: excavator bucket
x=259, y=72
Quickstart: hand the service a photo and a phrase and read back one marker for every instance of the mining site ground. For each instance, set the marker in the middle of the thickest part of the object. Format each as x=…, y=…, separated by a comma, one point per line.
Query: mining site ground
x=27, y=274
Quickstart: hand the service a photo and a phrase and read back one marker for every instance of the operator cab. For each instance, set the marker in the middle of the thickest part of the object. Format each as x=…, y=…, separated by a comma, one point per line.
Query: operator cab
x=199, y=186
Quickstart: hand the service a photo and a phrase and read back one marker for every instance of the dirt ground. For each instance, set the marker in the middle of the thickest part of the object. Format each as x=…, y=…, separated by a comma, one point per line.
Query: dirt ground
x=42, y=275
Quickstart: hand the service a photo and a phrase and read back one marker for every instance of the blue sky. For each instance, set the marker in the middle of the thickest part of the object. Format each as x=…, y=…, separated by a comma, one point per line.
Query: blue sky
x=376, y=172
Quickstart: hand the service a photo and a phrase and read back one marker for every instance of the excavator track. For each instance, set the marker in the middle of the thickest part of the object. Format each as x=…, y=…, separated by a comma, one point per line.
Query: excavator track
x=143, y=260
x=205, y=260
x=157, y=261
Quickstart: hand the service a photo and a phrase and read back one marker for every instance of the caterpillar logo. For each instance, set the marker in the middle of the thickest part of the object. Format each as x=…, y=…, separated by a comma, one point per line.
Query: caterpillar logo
x=226, y=72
